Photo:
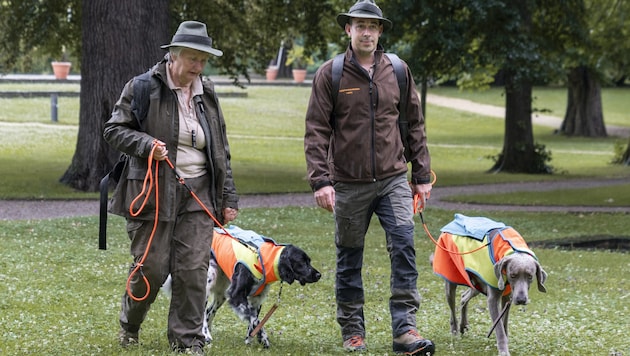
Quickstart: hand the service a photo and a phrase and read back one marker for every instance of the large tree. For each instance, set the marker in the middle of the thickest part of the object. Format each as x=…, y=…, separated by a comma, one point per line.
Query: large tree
x=584, y=115
x=114, y=49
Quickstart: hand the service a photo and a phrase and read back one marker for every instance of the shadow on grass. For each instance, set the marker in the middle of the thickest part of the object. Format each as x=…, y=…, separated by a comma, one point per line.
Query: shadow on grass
x=604, y=242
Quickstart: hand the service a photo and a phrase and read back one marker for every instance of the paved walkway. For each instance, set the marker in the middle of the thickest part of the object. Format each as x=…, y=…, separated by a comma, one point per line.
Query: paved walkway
x=44, y=209
x=499, y=112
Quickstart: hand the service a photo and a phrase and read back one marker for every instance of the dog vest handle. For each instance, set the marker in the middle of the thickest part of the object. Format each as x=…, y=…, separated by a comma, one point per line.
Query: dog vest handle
x=262, y=322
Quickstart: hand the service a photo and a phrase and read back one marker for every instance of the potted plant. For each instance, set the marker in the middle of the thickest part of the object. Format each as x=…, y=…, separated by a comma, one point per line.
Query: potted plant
x=272, y=71
x=61, y=68
x=299, y=60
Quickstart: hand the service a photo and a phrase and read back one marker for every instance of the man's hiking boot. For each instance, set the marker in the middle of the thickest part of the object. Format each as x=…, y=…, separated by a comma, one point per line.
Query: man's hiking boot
x=127, y=338
x=354, y=343
x=411, y=343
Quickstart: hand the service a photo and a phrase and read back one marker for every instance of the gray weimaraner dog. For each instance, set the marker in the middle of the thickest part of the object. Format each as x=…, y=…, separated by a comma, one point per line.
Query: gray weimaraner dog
x=503, y=269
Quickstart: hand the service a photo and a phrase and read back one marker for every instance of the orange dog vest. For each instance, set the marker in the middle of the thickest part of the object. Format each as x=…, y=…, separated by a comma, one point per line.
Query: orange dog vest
x=261, y=255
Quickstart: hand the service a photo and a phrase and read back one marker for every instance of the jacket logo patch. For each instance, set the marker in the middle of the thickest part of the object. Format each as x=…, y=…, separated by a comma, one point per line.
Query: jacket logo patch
x=348, y=91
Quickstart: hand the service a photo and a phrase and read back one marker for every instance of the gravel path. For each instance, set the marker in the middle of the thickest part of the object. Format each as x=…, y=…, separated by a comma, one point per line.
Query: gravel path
x=44, y=209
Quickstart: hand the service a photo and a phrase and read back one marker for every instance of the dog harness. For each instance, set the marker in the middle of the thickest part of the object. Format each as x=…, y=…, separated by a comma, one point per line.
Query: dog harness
x=261, y=255
x=500, y=241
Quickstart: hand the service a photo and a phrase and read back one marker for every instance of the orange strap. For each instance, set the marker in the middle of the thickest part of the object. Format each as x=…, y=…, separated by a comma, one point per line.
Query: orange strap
x=418, y=207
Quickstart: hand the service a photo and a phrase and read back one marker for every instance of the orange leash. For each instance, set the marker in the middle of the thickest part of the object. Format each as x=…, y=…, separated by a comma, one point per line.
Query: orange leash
x=152, y=179
x=418, y=207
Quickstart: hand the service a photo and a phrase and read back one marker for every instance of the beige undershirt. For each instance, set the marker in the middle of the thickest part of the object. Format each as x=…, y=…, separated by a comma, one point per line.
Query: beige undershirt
x=191, y=161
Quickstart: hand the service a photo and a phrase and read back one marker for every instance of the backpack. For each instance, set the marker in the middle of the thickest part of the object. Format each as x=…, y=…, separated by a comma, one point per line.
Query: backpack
x=142, y=85
x=401, y=77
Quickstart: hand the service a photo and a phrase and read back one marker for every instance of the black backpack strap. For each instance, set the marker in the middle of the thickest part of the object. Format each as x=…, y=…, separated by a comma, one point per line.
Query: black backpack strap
x=139, y=109
x=401, y=77
x=337, y=72
x=103, y=186
x=141, y=97
x=102, y=216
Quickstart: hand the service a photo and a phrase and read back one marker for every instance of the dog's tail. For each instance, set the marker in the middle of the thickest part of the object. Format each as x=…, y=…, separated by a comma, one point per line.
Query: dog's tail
x=431, y=257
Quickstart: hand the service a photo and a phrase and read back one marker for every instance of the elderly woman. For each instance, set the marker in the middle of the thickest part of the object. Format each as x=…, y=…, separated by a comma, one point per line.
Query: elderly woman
x=172, y=233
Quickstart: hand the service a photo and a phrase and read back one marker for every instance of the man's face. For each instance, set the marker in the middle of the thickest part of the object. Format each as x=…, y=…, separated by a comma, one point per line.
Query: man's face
x=364, y=35
x=188, y=66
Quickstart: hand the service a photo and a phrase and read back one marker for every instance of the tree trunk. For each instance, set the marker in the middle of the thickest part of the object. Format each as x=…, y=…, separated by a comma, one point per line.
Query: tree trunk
x=121, y=39
x=518, y=155
x=584, y=115
x=625, y=158
x=424, y=88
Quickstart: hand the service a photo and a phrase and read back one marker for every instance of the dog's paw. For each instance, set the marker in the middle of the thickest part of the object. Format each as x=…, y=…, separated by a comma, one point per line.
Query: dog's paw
x=263, y=338
x=265, y=342
x=463, y=328
x=207, y=336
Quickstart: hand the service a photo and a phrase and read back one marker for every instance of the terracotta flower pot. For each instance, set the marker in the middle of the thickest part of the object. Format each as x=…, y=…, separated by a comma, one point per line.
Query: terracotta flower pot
x=271, y=73
x=61, y=69
x=299, y=75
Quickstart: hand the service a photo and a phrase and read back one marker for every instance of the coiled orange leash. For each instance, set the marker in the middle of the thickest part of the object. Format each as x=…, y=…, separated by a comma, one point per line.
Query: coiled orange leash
x=418, y=207
x=152, y=179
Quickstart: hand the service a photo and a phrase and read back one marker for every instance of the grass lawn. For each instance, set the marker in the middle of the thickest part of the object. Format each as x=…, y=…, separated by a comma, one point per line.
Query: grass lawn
x=62, y=294
x=265, y=130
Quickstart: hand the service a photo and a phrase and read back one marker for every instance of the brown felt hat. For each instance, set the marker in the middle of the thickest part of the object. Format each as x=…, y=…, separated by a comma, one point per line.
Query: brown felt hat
x=365, y=9
x=193, y=34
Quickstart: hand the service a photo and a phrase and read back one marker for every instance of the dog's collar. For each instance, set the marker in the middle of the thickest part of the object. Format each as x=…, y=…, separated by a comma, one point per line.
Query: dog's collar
x=269, y=268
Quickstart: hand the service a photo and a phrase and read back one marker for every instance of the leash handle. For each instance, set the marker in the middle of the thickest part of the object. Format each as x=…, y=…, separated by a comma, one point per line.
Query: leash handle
x=496, y=322
x=262, y=322
x=419, y=202
x=418, y=207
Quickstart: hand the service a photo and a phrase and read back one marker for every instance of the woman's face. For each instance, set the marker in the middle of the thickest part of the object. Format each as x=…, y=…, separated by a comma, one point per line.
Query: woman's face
x=187, y=66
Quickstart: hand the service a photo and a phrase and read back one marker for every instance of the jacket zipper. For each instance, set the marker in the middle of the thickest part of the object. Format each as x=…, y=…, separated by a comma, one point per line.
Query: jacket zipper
x=372, y=118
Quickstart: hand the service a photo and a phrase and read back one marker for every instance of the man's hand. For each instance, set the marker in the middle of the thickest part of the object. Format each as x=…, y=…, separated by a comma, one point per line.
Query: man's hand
x=423, y=191
x=325, y=198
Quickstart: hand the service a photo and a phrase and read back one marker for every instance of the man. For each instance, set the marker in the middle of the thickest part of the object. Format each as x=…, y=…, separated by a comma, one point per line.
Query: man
x=184, y=124
x=356, y=168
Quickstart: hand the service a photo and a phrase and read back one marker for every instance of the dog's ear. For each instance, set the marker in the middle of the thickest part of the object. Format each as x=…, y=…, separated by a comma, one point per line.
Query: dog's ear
x=541, y=277
x=498, y=271
x=285, y=267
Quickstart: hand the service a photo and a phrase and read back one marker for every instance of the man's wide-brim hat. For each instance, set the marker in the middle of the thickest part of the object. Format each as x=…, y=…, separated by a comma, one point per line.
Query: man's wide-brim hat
x=365, y=9
x=193, y=34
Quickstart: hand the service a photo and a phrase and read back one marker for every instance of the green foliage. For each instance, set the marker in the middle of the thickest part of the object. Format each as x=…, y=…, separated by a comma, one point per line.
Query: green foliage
x=298, y=57
x=249, y=32
x=38, y=27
